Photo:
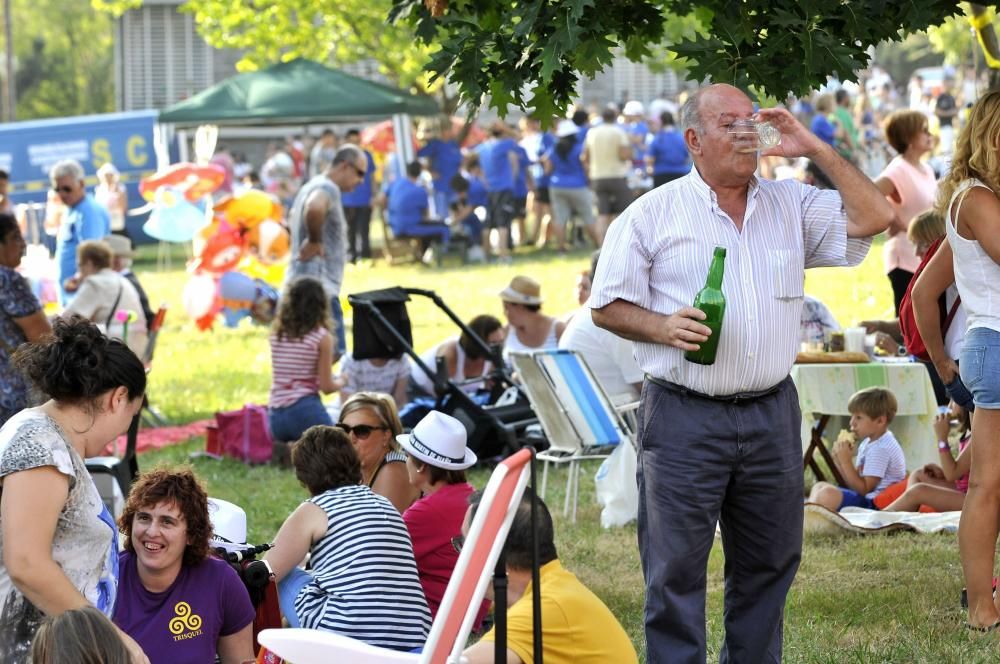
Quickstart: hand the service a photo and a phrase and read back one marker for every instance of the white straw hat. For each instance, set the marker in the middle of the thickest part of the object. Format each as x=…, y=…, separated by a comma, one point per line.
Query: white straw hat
x=439, y=440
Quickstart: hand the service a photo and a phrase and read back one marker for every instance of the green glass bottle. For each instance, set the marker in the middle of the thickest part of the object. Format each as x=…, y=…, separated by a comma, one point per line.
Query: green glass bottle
x=711, y=300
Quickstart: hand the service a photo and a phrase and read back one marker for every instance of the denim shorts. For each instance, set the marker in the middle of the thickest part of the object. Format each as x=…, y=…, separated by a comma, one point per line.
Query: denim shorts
x=289, y=423
x=851, y=498
x=980, y=366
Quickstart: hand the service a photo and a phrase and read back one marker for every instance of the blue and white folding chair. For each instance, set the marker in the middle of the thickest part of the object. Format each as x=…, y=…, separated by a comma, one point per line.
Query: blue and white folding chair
x=580, y=421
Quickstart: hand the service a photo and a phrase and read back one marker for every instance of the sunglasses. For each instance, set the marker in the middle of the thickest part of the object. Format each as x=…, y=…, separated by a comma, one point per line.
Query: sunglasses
x=362, y=172
x=65, y=189
x=360, y=431
x=457, y=542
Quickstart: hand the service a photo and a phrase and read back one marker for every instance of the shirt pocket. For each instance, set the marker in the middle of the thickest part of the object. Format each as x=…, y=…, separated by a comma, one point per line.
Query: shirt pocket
x=787, y=275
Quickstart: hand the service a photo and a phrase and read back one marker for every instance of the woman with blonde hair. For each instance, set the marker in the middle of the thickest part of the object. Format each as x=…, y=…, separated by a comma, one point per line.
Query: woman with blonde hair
x=909, y=185
x=79, y=636
x=970, y=203
x=371, y=421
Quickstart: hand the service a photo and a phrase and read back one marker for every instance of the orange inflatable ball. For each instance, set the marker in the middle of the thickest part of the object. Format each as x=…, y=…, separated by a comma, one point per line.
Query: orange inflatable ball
x=249, y=208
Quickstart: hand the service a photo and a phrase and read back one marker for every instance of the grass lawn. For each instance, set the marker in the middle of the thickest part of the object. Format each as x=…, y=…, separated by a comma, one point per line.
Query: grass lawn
x=880, y=599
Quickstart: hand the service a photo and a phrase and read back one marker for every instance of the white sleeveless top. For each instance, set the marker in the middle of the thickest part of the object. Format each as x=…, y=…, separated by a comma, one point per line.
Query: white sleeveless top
x=425, y=383
x=514, y=344
x=977, y=275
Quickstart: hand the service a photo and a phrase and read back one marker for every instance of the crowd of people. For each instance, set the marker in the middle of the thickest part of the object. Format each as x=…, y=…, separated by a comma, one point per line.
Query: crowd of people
x=387, y=509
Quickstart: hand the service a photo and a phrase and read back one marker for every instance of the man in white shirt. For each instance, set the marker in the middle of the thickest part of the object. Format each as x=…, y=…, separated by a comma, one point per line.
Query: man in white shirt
x=721, y=443
x=608, y=355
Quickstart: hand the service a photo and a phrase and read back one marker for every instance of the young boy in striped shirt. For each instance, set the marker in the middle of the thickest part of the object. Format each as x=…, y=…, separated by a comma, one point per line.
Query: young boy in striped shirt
x=880, y=460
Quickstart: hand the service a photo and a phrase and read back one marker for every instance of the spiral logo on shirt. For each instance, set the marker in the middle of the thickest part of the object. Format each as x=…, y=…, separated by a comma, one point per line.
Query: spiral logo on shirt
x=185, y=620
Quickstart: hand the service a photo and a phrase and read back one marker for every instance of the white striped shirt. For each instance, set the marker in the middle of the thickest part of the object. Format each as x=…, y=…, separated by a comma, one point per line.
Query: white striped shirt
x=365, y=584
x=882, y=458
x=657, y=255
x=293, y=367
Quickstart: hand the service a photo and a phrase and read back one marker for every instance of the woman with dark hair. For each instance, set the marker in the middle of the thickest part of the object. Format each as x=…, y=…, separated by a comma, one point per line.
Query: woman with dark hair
x=102, y=294
x=301, y=360
x=371, y=422
x=180, y=604
x=58, y=541
x=21, y=317
x=569, y=194
x=438, y=458
x=362, y=582
x=911, y=188
x=466, y=362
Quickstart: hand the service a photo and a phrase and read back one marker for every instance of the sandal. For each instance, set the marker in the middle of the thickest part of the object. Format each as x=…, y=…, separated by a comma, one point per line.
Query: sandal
x=989, y=628
x=964, y=600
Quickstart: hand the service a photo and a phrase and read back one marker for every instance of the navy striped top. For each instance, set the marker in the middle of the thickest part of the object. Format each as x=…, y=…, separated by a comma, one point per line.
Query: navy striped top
x=365, y=584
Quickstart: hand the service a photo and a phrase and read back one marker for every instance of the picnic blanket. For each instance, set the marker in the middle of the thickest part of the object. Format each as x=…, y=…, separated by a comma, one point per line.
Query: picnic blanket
x=152, y=439
x=859, y=521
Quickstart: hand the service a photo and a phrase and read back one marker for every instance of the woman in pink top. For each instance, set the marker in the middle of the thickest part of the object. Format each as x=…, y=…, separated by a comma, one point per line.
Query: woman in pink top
x=438, y=457
x=911, y=188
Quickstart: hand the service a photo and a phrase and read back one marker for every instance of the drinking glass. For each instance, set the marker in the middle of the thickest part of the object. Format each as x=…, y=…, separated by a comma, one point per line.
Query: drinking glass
x=750, y=136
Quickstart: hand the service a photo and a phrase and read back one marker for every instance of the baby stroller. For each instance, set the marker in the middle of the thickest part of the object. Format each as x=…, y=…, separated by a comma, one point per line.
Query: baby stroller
x=382, y=329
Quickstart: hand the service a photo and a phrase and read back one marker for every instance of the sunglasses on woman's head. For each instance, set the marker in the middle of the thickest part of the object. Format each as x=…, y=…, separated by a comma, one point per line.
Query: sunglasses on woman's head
x=457, y=542
x=360, y=431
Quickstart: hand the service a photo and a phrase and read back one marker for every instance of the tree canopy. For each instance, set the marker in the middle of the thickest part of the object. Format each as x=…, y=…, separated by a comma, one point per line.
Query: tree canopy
x=531, y=54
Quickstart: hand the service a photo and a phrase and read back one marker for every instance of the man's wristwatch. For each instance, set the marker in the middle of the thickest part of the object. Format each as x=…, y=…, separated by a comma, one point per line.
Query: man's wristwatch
x=944, y=446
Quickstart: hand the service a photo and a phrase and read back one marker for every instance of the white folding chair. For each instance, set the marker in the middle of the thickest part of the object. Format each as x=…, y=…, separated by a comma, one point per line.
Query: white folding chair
x=462, y=598
x=580, y=421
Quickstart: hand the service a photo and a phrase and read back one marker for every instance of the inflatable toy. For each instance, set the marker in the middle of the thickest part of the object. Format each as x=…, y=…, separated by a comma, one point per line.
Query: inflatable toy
x=193, y=180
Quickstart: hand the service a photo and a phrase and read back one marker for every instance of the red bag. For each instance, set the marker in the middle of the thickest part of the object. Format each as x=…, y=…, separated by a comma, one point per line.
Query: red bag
x=244, y=434
x=908, y=324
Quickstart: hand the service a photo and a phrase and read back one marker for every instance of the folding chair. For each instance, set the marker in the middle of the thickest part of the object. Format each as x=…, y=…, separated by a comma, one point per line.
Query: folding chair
x=578, y=418
x=462, y=598
x=151, y=414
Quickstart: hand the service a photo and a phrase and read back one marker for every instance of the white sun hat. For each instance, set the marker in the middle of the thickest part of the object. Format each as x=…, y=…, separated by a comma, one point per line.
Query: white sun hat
x=439, y=440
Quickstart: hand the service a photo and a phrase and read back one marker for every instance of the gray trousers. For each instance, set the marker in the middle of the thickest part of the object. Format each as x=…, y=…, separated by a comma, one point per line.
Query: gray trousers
x=738, y=463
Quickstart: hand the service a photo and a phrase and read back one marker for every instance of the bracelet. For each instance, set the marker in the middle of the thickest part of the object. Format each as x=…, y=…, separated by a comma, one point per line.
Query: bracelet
x=944, y=446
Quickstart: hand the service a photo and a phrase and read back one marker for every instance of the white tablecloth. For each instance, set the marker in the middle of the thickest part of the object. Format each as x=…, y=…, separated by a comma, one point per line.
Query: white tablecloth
x=825, y=389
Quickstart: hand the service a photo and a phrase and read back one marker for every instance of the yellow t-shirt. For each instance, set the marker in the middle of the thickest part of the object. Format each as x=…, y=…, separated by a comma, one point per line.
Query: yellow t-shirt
x=577, y=627
x=602, y=144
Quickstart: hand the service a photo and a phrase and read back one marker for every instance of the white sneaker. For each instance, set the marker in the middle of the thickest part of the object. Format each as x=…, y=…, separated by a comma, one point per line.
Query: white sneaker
x=476, y=254
x=430, y=256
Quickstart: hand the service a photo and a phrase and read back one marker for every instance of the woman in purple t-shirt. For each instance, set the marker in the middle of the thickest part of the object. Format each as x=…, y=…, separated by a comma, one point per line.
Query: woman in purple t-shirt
x=180, y=604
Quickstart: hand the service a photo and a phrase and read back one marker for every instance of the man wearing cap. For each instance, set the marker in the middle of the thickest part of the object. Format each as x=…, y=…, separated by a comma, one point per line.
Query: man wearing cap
x=721, y=443
x=576, y=625
x=608, y=155
x=121, y=262
x=528, y=328
x=84, y=219
x=318, y=230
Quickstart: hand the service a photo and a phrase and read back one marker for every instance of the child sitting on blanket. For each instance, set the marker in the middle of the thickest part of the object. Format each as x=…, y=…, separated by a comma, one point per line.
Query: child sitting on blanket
x=940, y=488
x=880, y=461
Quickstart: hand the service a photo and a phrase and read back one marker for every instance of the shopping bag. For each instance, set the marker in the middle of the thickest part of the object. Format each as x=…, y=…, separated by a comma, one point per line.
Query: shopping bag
x=616, y=487
x=244, y=434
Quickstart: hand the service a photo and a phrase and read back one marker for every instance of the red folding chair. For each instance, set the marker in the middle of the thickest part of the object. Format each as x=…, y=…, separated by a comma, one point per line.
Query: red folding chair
x=462, y=598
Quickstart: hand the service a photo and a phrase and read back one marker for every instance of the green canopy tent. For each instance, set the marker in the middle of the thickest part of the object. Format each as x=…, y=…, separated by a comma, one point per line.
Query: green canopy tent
x=296, y=92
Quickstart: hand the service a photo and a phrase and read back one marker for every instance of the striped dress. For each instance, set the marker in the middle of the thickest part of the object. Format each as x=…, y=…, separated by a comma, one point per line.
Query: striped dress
x=293, y=367
x=365, y=583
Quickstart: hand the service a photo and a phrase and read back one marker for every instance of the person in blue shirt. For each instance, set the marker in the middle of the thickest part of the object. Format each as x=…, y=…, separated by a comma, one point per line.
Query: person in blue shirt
x=500, y=164
x=522, y=185
x=408, y=209
x=821, y=125
x=358, y=206
x=568, y=186
x=442, y=154
x=84, y=219
x=667, y=157
x=637, y=129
